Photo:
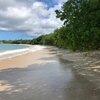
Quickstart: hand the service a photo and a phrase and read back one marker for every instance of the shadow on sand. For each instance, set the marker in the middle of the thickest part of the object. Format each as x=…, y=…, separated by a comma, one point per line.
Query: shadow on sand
x=48, y=81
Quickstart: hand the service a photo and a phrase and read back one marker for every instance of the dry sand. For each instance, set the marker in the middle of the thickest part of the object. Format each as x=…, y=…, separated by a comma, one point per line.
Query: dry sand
x=25, y=60
x=22, y=61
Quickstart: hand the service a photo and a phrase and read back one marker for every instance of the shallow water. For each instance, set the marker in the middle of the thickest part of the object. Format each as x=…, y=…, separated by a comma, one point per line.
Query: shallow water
x=6, y=47
x=11, y=50
x=54, y=80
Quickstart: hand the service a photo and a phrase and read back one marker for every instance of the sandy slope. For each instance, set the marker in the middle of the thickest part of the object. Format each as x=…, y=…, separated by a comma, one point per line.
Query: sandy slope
x=24, y=60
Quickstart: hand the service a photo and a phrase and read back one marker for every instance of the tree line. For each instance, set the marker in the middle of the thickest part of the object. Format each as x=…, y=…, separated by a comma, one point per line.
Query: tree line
x=81, y=28
x=16, y=41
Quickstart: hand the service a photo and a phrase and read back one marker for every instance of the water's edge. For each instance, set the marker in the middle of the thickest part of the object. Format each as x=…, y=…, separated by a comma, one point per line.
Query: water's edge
x=13, y=53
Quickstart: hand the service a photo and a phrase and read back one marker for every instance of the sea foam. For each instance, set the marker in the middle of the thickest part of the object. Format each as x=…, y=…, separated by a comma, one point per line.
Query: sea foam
x=17, y=52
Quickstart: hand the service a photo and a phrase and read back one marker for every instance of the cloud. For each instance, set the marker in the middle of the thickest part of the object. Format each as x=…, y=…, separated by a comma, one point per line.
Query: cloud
x=29, y=16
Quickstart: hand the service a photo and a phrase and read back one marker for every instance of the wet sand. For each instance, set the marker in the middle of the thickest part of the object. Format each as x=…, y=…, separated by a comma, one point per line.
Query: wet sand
x=43, y=75
x=25, y=60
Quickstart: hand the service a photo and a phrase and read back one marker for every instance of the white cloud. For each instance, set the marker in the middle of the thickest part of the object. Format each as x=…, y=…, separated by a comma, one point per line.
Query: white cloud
x=32, y=17
x=15, y=13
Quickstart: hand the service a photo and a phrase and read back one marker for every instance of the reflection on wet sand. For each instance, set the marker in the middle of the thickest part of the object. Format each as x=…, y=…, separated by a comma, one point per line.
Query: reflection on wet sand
x=4, y=86
x=51, y=79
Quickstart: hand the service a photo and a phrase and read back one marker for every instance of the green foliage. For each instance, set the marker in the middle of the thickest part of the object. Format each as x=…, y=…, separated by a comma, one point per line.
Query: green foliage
x=81, y=29
x=16, y=41
x=37, y=40
x=82, y=17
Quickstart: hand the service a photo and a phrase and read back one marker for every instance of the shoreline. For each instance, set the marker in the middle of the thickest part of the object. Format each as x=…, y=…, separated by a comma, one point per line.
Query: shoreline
x=25, y=60
x=43, y=74
x=86, y=65
x=14, y=53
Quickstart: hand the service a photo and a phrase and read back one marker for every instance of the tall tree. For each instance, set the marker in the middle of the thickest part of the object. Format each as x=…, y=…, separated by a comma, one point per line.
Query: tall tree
x=83, y=19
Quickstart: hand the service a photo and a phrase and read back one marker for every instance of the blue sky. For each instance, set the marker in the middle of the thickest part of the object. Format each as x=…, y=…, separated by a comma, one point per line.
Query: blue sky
x=50, y=3
x=14, y=36
x=25, y=19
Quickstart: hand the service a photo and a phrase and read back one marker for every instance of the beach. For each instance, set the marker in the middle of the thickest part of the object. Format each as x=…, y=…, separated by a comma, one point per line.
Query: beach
x=45, y=74
x=23, y=60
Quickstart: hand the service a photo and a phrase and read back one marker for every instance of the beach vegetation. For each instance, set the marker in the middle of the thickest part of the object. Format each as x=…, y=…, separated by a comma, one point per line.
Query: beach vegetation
x=81, y=28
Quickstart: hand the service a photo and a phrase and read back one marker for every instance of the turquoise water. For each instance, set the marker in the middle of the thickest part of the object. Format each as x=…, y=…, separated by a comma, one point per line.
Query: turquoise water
x=5, y=47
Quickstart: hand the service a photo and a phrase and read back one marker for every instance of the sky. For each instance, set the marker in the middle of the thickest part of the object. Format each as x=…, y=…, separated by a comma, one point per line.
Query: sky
x=25, y=19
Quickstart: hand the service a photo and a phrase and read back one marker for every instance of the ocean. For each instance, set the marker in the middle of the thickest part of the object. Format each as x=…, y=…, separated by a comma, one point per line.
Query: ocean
x=5, y=47
x=12, y=50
